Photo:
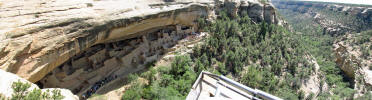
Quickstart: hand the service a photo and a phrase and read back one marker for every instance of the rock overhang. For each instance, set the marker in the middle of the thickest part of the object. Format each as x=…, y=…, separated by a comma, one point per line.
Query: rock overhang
x=33, y=50
x=39, y=59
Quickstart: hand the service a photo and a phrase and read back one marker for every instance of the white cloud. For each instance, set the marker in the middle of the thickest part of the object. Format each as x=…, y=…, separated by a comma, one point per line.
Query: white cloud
x=367, y=2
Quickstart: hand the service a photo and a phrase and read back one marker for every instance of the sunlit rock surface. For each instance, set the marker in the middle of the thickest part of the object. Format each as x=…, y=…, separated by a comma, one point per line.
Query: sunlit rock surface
x=7, y=80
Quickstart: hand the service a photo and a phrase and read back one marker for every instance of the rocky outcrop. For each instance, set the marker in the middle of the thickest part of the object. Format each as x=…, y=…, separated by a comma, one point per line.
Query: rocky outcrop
x=7, y=80
x=331, y=27
x=258, y=12
x=356, y=68
x=346, y=61
x=313, y=84
x=71, y=43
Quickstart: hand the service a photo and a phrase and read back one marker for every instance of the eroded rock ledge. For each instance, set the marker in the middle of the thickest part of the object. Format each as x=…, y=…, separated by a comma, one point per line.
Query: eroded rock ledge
x=349, y=58
x=55, y=41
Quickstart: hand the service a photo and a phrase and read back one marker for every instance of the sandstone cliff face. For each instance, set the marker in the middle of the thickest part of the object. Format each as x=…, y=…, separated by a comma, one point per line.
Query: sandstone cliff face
x=356, y=67
x=38, y=36
x=257, y=11
x=313, y=83
x=33, y=52
x=7, y=80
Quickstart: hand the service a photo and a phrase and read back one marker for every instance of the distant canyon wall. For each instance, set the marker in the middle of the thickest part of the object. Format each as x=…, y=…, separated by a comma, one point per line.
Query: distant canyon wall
x=358, y=18
x=347, y=54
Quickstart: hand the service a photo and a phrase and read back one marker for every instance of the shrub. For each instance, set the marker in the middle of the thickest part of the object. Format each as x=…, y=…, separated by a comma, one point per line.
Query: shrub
x=20, y=90
x=131, y=94
x=21, y=93
x=166, y=82
x=57, y=95
x=252, y=78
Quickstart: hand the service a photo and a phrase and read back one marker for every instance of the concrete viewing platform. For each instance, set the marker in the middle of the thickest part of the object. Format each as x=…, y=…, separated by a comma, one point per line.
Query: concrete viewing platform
x=214, y=87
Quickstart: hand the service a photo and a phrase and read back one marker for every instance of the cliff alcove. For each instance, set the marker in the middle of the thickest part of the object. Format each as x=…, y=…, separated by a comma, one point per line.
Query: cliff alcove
x=102, y=63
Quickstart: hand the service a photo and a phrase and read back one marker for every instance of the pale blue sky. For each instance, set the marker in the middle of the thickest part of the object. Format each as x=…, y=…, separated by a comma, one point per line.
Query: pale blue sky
x=369, y=2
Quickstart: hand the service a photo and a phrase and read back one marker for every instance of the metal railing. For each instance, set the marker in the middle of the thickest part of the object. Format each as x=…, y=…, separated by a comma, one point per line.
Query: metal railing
x=256, y=94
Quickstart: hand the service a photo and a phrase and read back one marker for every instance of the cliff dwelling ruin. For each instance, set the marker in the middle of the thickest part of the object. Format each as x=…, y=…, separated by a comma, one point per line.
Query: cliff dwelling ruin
x=91, y=69
x=100, y=45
